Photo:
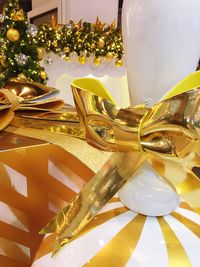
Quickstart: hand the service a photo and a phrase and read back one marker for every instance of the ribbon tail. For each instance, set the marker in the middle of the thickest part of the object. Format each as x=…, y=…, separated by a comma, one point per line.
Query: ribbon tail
x=93, y=197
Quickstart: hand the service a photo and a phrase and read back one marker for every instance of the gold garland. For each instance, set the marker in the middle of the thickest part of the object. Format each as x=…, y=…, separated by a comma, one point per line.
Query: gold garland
x=82, y=39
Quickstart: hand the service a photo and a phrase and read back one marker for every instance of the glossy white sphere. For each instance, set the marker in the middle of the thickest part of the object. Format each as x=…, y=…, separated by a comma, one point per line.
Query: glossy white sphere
x=148, y=194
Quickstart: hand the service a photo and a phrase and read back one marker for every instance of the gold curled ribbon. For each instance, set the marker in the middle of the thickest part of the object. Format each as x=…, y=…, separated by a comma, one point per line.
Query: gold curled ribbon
x=168, y=133
x=23, y=95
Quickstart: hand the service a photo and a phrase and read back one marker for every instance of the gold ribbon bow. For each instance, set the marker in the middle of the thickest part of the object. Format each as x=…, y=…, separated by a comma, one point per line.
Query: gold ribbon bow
x=166, y=135
x=24, y=95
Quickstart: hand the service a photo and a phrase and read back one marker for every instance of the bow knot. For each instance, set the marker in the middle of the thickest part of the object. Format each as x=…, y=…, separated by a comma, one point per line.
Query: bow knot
x=9, y=99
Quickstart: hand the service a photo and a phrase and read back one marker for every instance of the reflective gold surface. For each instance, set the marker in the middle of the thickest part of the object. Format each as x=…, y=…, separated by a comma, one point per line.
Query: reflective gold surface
x=28, y=90
x=65, y=114
x=83, y=207
x=137, y=240
x=19, y=95
x=172, y=242
x=91, y=157
x=53, y=126
x=167, y=135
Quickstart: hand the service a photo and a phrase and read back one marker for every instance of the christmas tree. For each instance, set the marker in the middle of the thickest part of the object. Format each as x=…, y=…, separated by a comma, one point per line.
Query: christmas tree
x=19, y=53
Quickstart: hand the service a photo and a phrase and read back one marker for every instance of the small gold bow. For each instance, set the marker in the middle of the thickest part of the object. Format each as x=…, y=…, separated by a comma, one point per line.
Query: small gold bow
x=24, y=95
x=166, y=135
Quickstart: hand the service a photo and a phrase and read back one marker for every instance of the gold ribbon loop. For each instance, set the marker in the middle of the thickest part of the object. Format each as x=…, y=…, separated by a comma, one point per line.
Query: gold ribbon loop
x=22, y=95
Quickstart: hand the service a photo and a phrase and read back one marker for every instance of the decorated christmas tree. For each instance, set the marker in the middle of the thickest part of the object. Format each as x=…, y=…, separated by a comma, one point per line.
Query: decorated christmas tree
x=19, y=53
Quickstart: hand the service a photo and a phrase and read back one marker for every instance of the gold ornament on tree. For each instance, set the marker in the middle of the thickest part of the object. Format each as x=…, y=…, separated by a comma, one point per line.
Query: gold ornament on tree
x=55, y=43
x=40, y=53
x=17, y=14
x=13, y=35
x=2, y=59
x=2, y=76
x=43, y=75
x=66, y=49
x=93, y=45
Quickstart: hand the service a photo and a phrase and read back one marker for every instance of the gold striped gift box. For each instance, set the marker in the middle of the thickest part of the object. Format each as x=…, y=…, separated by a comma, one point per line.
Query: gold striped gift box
x=36, y=180
x=118, y=237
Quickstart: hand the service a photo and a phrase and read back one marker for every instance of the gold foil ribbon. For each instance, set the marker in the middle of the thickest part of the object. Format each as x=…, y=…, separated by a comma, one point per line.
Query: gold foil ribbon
x=166, y=135
x=23, y=95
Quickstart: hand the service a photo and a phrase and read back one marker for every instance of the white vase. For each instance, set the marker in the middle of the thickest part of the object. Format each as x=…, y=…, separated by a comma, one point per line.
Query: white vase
x=162, y=46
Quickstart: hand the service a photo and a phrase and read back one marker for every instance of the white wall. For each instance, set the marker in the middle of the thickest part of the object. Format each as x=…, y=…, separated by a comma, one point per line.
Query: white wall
x=87, y=10
x=37, y=3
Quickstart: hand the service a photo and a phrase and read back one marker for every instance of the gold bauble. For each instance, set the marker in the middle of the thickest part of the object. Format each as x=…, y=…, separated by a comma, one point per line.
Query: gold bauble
x=118, y=63
x=13, y=35
x=66, y=49
x=17, y=14
x=2, y=76
x=109, y=55
x=93, y=45
x=97, y=61
x=101, y=43
x=83, y=59
x=43, y=75
x=67, y=59
x=55, y=43
x=2, y=59
x=40, y=53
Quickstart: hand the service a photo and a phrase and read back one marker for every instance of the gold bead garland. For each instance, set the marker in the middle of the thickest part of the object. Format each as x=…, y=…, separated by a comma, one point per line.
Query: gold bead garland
x=2, y=59
x=97, y=61
x=83, y=59
x=118, y=63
